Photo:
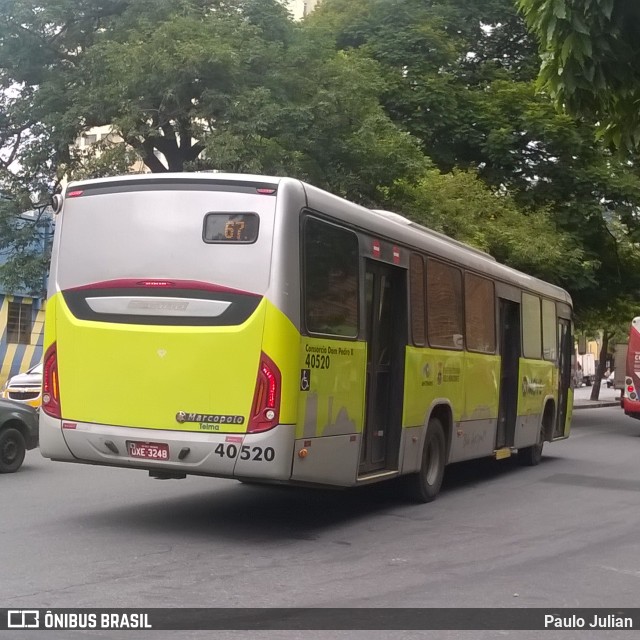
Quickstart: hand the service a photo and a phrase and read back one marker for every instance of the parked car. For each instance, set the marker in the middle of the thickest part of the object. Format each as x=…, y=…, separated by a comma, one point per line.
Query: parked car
x=18, y=433
x=25, y=387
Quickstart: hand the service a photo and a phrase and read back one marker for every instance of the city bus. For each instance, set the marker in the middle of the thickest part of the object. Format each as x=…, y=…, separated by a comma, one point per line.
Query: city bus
x=262, y=329
x=629, y=397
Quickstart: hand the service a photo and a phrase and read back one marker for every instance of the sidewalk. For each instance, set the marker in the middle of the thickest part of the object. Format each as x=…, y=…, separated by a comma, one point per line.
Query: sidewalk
x=594, y=404
x=609, y=397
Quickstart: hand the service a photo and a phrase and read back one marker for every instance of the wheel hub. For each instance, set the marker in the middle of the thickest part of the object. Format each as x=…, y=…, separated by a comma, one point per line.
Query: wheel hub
x=9, y=451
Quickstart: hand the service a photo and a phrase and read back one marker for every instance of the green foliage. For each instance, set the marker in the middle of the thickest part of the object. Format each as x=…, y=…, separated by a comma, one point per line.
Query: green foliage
x=460, y=78
x=230, y=85
x=461, y=205
x=326, y=126
x=188, y=84
x=23, y=257
x=424, y=106
x=615, y=319
x=590, y=51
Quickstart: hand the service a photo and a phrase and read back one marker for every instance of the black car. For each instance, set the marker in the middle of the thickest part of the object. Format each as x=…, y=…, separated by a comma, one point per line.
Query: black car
x=18, y=432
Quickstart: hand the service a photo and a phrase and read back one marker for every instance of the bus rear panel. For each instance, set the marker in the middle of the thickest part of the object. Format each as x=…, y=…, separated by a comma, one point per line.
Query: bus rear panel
x=630, y=397
x=156, y=327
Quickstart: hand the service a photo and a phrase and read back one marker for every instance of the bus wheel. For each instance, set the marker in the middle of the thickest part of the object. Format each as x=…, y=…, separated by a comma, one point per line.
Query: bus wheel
x=12, y=450
x=531, y=456
x=424, y=486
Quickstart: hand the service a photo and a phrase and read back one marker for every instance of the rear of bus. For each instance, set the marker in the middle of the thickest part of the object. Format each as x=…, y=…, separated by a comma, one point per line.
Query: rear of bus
x=630, y=394
x=162, y=348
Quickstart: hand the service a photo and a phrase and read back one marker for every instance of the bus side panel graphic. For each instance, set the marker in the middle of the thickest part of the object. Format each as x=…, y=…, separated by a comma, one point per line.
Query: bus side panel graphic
x=538, y=385
x=332, y=387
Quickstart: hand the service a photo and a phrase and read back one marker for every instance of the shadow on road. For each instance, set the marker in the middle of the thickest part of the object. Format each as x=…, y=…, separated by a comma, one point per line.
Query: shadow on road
x=258, y=513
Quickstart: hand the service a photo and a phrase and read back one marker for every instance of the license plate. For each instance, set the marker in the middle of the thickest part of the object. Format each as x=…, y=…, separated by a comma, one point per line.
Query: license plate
x=149, y=450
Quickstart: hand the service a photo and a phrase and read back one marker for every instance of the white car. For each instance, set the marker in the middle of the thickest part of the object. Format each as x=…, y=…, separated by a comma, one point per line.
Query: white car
x=25, y=387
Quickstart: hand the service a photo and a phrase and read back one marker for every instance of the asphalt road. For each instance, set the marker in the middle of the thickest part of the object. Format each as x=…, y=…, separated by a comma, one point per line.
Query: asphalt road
x=563, y=534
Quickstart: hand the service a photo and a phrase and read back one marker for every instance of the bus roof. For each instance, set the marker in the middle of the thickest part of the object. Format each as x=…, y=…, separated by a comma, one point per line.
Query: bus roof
x=385, y=224
x=158, y=178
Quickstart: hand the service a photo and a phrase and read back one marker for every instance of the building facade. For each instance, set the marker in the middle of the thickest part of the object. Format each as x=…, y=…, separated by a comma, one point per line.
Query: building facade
x=21, y=314
x=301, y=8
x=22, y=327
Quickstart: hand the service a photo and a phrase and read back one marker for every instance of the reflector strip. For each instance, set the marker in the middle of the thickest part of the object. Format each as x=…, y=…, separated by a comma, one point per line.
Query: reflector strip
x=159, y=306
x=155, y=283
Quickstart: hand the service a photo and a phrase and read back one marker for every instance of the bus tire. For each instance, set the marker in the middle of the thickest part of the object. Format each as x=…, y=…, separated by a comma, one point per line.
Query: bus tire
x=531, y=456
x=424, y=485
x=12, y=450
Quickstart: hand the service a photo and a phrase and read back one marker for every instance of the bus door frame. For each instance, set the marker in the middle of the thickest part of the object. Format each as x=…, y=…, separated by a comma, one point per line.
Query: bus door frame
x=386, y=334
x=510, y=341
x=565, y=368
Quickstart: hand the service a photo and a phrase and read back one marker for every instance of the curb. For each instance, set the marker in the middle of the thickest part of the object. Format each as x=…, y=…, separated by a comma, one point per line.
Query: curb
x=596, y=404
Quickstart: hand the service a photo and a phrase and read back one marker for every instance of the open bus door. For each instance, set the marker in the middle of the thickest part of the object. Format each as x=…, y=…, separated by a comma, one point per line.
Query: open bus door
x=509, y=318
x=565, y=372
x=386, y=304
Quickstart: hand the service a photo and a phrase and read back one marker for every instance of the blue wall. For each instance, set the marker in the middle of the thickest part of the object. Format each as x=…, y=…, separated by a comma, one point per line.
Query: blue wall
x=15, y=358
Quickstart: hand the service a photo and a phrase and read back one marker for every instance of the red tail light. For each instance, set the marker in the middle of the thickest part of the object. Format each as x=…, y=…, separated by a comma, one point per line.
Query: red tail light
x=50, y=386
x=265, y=412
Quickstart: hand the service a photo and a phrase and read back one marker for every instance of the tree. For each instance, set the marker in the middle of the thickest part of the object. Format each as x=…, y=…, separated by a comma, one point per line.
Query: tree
x=462, y=206
x=460, y=78
x=25, y=243
x=611, y=326
x=590, y=51
x=189, y=84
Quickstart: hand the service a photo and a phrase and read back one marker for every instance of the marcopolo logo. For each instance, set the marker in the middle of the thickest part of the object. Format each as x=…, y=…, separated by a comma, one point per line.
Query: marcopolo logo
x=184, y=416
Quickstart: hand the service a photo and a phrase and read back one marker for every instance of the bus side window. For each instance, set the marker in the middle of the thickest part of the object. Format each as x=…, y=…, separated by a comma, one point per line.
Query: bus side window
x=330, y=279
x=531, y=327
x=444, y=305
x=549, y=338
x=416, y=288
x=480, y=322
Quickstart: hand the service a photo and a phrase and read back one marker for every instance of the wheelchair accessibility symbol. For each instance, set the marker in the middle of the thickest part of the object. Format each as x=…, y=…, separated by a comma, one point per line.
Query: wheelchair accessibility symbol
x=305, y=379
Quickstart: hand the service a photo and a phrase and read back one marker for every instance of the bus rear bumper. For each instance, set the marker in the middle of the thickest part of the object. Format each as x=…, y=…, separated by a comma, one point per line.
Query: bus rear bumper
x=631, y=407
x=261, y=456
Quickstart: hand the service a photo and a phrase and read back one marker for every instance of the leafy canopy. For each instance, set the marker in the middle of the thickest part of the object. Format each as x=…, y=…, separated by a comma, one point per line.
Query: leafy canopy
x=460, y=77
x=231, y=85
x=590, y=51
x=196, y=84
